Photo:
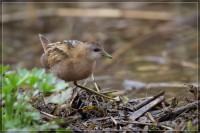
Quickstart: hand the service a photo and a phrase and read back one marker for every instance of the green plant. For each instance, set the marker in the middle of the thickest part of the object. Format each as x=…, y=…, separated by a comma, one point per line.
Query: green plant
x=190, y=127
x=17, y=112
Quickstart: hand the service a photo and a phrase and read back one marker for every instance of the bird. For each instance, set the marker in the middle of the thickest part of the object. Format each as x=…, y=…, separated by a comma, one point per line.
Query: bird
x=72, y=60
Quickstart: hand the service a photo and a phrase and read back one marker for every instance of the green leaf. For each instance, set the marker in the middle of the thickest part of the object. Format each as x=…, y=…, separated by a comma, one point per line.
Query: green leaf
x=35, y=115
x=17, y=113
x=22, y=79
x=189, y=125
x=22, y=72
x=59, y=98
x=38, y=72
x=45, y=87
x=50, y=79
x=11, y=79
x=7, y=89
x=33, y=80
x=60, y=85
x=3, y=69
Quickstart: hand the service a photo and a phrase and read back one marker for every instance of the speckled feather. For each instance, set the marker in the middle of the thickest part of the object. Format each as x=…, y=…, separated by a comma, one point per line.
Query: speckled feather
x=66, y=59
x=72, y=60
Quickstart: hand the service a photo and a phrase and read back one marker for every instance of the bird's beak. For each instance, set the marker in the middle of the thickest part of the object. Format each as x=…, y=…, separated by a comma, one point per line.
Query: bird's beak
x=107, y=55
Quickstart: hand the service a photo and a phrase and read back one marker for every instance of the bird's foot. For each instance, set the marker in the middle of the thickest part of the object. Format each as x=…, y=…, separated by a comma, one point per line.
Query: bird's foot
x=91, y=91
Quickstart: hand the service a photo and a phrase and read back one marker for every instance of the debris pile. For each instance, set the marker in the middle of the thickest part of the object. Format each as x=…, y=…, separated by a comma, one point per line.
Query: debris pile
x=84, y=111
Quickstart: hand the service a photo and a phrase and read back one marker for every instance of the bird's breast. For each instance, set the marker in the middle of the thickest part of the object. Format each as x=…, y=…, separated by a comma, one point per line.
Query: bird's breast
x=83, y=69
x=73, y=70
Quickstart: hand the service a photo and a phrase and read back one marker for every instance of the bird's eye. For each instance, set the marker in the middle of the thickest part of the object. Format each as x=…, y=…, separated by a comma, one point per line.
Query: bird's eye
x=96, y=50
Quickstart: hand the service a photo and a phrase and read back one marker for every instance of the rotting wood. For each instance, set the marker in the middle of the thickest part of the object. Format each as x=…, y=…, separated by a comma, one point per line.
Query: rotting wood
x=137, y=122
x=145, y=108
x=174, y=113
x=148, y=100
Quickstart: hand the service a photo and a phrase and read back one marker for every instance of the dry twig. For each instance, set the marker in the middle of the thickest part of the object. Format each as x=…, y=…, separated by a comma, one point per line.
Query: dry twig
x=145, y=108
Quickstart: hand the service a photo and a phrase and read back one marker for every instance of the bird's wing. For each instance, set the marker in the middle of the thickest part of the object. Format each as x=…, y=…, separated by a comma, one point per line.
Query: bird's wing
x=69, y=47
x=55, y=55
x=72, y=43
x=60, y=51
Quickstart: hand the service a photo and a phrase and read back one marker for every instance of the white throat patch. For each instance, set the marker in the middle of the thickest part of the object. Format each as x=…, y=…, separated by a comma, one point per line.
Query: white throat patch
x=95, y=55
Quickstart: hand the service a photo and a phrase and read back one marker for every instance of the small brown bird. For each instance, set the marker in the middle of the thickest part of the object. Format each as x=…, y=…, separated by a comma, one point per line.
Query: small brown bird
x=72, y=60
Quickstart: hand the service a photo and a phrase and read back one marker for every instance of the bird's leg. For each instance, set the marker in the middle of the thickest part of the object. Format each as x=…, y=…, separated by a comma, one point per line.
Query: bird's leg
x=85, y=82
x=90, y=90
x=97, y=87
x=95, y=84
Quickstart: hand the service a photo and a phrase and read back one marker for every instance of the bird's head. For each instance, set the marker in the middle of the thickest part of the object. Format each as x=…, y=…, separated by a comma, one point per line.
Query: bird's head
x=96, y=51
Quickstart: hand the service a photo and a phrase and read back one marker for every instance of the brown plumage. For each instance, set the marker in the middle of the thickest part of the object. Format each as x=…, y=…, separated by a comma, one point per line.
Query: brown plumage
x=71, y=60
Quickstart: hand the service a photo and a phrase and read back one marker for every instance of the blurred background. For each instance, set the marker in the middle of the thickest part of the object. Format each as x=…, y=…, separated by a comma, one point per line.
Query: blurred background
x=154, y=45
